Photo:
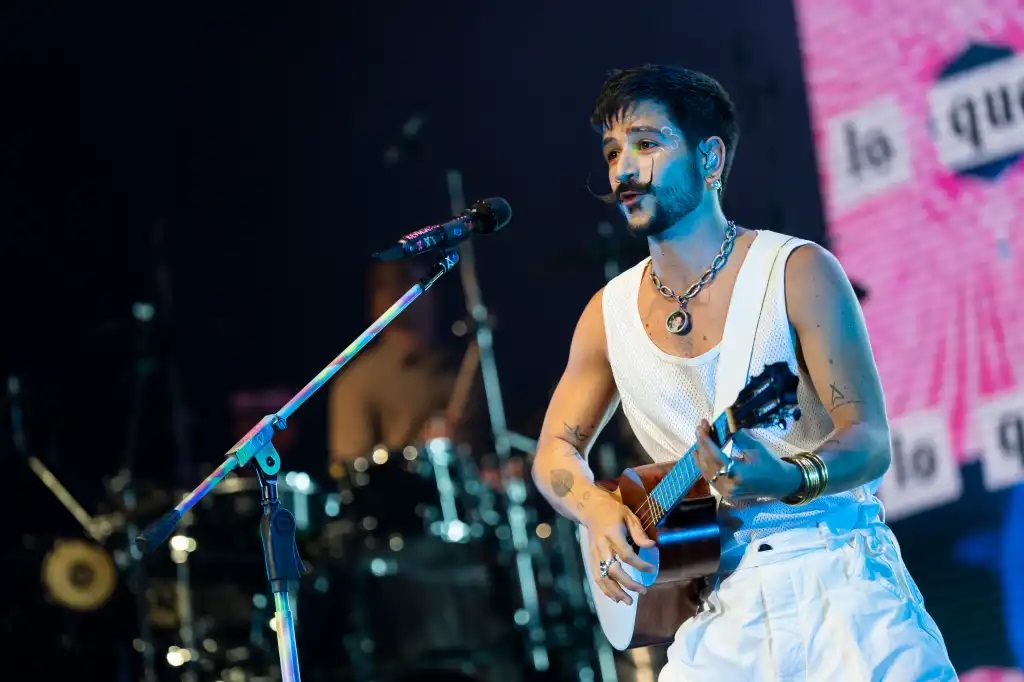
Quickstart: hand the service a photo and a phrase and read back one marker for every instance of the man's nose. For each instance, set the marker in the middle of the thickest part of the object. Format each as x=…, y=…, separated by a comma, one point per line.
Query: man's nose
x=627, y=167
x=627, y=171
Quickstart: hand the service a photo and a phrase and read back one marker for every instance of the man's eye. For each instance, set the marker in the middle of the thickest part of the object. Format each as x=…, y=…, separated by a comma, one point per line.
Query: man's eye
x=612, y=155
x=646, y=144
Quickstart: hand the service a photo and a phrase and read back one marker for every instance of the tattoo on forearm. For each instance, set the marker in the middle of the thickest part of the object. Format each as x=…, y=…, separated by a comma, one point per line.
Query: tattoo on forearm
x=562, y=482
x=576, y=433
x=838, y=398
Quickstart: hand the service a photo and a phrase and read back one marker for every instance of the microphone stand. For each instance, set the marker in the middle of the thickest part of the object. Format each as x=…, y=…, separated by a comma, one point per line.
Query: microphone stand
x=256, y=448
x=505, y=441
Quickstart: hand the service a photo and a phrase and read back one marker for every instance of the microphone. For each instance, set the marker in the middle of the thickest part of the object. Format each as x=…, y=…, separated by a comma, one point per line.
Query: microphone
x=483, y=217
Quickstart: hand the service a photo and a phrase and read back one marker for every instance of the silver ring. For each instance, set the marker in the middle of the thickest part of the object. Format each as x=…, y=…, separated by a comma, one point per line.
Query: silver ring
x=606, y=566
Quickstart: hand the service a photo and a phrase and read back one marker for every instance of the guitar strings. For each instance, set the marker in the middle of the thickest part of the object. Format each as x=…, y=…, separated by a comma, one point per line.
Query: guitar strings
x=653, y=516
x=650, y=516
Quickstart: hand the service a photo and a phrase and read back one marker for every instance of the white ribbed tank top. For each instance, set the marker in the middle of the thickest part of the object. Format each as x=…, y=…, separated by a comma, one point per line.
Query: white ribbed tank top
x=665, y=396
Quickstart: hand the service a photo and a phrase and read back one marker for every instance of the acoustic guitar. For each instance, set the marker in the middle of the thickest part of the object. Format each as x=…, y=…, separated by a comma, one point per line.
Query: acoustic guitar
x=675, y=506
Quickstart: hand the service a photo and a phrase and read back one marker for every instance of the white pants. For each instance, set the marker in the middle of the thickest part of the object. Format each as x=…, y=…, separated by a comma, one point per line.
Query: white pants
x=818, y=606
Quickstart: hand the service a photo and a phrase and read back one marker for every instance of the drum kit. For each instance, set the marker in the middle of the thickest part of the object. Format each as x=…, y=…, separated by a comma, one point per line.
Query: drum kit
x=428, y=562
x=411, y=574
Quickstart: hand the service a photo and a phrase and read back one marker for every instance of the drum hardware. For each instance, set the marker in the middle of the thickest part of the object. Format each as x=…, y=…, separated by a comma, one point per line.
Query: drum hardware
x=145, y=366
x=148, y=321
x=256, y=450
x=451, y=528
x=76, y=574
x=505, y=441
x=97, y=528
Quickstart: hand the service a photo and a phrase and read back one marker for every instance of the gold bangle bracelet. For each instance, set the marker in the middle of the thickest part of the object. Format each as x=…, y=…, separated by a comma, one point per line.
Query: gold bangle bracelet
x=815, y=478
x=797, y=497
x=822, y=471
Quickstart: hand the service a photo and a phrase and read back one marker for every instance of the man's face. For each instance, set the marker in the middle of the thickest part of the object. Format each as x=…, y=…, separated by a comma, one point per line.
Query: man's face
x=651, y=169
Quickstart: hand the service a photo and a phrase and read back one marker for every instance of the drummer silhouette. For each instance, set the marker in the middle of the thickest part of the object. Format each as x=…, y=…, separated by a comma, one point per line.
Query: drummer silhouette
x=396, y=392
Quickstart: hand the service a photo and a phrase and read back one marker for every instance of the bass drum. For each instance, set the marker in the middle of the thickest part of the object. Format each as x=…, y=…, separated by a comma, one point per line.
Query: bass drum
x=407, y=573
x=424, y=609
x=434, y=489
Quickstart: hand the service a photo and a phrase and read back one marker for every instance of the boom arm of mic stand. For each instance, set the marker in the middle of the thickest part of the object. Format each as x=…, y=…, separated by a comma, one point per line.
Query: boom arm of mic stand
x=277, y=526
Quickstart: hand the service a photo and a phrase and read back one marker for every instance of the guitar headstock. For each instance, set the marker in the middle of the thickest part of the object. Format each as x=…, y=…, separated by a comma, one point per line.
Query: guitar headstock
x=767, y=399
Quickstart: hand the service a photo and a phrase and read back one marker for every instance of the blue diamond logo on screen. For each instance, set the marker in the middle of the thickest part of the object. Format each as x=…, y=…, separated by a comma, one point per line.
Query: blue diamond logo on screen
x=977, y=111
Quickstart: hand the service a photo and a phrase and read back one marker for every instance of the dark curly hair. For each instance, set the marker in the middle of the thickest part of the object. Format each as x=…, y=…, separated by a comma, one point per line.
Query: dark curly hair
x=697, y=103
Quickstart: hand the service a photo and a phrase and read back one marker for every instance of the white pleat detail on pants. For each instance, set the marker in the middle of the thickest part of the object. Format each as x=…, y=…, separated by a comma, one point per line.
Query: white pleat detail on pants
x=812, y=605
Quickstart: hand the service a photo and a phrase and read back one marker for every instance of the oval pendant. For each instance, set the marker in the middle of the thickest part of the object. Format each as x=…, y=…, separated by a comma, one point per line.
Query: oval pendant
x=678, y=322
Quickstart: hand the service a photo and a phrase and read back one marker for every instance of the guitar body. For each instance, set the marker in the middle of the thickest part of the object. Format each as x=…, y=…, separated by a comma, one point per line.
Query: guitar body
x=675, y=506
x=688, y=549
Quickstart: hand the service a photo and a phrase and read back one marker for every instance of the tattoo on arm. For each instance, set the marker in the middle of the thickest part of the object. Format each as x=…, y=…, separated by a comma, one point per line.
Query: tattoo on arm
x=562, y=482
x=577, y=438
x=838, y=398
x=576, y=433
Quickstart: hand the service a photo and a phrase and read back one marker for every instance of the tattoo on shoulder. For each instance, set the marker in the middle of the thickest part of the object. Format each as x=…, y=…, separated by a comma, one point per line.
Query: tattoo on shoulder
x=562, y=482
x=576, y=433
x=839, y=398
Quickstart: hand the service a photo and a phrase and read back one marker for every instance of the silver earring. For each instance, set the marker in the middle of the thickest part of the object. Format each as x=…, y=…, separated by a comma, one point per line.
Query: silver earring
x=716, y=185
x=711, y=161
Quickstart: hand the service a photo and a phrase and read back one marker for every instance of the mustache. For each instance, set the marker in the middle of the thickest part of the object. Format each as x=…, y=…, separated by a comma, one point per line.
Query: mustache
x=632, y=184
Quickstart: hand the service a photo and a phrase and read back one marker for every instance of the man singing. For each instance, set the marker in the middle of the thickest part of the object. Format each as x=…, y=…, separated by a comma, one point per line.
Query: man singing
x=812, y=585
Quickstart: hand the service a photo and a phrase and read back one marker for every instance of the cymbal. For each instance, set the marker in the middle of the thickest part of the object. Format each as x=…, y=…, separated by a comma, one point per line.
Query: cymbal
x=79, y=575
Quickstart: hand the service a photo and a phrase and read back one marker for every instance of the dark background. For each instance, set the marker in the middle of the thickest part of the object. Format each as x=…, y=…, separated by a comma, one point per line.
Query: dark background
x=259, y=136
x=255, y=135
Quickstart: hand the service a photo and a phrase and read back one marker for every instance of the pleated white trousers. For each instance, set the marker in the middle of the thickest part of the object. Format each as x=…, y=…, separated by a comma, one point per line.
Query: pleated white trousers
x=812, y=605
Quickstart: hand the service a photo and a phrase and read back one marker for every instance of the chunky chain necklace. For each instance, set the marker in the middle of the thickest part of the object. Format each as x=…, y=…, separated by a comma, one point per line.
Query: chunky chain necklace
x=678, y=321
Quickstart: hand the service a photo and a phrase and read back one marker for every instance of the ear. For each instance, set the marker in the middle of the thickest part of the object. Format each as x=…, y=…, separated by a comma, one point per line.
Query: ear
x=712, y=160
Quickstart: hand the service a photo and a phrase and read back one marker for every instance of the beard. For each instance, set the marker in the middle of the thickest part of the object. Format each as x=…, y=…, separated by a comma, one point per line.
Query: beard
x=661, y=206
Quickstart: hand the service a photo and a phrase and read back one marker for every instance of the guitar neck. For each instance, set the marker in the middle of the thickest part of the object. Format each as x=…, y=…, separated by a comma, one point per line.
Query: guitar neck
x=672, y=489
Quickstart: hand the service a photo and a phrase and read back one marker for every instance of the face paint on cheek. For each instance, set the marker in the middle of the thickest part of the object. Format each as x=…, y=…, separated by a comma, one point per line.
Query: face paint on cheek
x=674, y=144
x=671, y=135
